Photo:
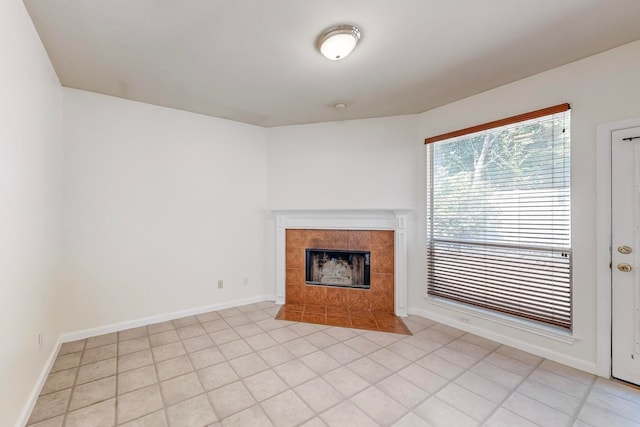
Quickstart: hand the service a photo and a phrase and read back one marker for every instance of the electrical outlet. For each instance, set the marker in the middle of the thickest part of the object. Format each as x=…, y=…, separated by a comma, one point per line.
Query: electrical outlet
x=219, y=284
x=245, y=281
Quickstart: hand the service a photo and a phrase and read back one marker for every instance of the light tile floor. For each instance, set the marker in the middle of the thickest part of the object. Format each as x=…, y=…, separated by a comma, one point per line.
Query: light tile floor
x=241, y=367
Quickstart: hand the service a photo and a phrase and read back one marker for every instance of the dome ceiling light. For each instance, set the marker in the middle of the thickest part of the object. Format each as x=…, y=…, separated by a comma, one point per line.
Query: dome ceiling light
x=337, y=42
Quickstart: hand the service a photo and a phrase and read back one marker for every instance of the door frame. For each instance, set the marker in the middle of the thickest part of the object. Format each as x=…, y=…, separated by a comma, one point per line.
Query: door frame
x=603, y=231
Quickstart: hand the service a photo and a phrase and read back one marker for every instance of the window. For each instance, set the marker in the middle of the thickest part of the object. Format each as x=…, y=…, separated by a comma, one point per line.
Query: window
x=499, y=216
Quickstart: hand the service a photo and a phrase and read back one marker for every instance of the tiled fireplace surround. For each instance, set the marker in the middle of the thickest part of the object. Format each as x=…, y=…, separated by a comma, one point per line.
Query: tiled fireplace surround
x=382, y=232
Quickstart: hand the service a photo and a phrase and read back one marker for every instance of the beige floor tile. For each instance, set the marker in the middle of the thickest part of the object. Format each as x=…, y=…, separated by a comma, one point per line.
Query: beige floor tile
x=247, y=330
x=403, y=391
x=343, y=334
x=59, y=380
x=294, y=372
x=181, y=388
x=231, y=399
x=505, y=418
x=369, y=370
x=229, y=312
x=224, y=336
x=168, y=351
x=216, y=376
x=363, y=345
x=185, y=321
x=71, y=347
x=346, y=381
x=66, y=361
x=423, y=343
x=97, y=370
x=239, y=320
x=535, y=411
x=207, y=357
x=440, y=366
x=378, y=406
x=136, y=378
x=97, y=354
x=314, y=422
x=282, y=335
x=473, y=350
x=456, y=357
x=138, y=403
x=568, y=372
x=215, y=326
x=617, y=388
x=256, y=316
x=207, y=317
x=510, y=364
x=466, y=401
x=496, y=374
x=441, y=414
x=560, y=383
x=551, y=397
x=93, y=392
x=196, y=411
x=156, y=419
x=423, y=378
x=520, y=355
x=321, y=340
x=132, y=333
x=50, y=405
x=51, y=422
x=134, y=360
x=287, y=409
x=342, y=353
x=260, y=341
x=133, y=345
x=197, y=343
x=175, y=367
x=234, y=349
x=484, y=387
x=248, y=365
x=190, y=331
x=300, y=347
x=101, y=414
x=320, y=362
x=157, y=328
x=347, y=414
x=254, y=417
x=271, y=324
x=163, y=338
x=619, y=405
x=318, y=394
x=411, y=420
x=265, y=385
x=101, y=340
x=276, y=355
x=594, y=415
x=389, y=359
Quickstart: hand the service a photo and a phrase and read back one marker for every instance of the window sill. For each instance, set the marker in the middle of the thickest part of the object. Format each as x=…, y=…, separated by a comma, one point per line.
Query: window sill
x=467, y=311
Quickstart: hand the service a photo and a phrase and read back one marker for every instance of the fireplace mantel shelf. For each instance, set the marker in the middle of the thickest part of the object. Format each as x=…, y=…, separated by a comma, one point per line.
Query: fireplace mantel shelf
x=346, y=219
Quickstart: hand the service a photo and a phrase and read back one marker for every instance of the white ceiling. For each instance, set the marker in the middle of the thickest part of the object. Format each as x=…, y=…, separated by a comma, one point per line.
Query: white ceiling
x=255, y=61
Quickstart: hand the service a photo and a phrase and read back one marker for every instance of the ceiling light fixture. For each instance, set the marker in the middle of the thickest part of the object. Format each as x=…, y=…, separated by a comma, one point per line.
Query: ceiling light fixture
x=338, y=42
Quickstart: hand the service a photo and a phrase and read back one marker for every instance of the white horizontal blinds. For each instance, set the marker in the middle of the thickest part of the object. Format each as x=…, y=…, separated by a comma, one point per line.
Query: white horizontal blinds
x=498, y=218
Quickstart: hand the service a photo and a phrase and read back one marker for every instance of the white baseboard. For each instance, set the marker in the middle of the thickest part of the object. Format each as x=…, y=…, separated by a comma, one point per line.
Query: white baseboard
x=42, y=378
x=510, y=341
x=114, y=327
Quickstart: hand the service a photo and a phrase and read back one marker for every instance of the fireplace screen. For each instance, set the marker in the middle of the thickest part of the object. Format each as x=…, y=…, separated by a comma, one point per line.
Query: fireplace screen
x=330, y=267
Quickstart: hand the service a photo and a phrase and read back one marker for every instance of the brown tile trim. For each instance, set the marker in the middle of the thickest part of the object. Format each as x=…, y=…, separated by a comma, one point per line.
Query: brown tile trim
x=339, y=316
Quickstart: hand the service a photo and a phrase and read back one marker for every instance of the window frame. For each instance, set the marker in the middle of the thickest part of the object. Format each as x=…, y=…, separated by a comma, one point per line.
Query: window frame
x=547, y=329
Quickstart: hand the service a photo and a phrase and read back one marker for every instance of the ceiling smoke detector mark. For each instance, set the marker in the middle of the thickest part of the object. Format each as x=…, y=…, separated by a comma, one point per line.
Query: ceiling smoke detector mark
x=340, y=106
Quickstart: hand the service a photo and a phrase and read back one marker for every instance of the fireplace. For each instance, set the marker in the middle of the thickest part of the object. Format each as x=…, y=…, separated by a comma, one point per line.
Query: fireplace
x=341, y=268
x=382, y=232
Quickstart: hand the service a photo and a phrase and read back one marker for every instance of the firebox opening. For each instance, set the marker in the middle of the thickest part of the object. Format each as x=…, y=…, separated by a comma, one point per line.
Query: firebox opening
x=332, y=267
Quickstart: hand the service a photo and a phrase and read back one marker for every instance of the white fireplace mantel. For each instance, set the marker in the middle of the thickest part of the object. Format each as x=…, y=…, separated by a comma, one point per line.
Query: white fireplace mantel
x=374, y=219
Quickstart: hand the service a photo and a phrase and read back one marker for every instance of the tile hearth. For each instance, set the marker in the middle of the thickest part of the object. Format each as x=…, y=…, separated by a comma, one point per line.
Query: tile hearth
x=242, y=367
x=343, y=316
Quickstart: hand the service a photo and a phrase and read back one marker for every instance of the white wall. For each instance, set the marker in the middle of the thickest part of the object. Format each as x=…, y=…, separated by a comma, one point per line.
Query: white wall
x=30, y=113
x=159, y=205
x=389, y=154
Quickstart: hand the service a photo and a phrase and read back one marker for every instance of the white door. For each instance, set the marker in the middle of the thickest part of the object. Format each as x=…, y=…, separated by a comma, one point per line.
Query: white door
x=625, y=248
